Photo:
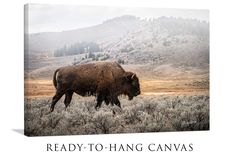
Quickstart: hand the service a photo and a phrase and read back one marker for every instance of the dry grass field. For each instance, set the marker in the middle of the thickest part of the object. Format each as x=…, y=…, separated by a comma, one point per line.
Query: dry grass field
x=45, y=88
x=142, y=114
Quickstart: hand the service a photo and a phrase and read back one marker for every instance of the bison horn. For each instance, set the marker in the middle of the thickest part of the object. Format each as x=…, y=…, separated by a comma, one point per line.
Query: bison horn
x=132, y=76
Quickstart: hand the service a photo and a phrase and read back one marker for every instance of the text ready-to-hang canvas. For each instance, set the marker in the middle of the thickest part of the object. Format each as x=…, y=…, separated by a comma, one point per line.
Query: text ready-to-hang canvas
x=105, y=70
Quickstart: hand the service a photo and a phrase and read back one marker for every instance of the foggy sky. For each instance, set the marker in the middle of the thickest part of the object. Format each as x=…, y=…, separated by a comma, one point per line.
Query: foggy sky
x=54, y=18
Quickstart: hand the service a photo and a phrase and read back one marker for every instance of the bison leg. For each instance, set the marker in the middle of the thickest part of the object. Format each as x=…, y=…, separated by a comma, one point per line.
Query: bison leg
x=55, y=99
x=68, y=98
x=100, y=99
x=116, y=101
x=106, y=100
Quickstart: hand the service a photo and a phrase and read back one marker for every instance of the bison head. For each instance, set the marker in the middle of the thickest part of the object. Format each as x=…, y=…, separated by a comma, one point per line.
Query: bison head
x=131, y=85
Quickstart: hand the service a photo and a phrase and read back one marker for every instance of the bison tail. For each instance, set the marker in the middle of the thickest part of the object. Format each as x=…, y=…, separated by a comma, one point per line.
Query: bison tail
x=54, y=78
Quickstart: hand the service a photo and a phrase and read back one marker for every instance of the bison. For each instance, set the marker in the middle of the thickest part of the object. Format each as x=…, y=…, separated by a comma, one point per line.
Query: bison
x=105, y=80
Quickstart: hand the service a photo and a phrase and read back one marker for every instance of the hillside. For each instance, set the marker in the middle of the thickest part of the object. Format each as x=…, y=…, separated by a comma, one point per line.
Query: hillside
x=110, y=30
x=165, y=40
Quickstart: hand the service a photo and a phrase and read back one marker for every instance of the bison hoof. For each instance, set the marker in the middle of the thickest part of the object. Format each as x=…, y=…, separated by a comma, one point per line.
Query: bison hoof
x=119, y=106
x=51, y=110
x=65, y=109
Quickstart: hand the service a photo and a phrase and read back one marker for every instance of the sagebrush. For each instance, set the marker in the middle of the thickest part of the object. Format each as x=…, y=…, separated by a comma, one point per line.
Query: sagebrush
x=142, y=114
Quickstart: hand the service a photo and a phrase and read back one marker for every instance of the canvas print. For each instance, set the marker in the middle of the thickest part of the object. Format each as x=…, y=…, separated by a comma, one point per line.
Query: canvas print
x=105, y=70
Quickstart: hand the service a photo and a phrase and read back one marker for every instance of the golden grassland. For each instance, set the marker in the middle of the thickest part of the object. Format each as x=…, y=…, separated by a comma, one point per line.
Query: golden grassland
x=45, y=88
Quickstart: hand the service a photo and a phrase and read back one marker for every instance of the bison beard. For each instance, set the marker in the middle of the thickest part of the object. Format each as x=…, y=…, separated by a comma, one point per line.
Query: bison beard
x=105, y=80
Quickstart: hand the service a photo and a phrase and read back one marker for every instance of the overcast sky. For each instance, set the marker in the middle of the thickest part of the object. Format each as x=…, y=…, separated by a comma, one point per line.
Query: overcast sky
x=54, y=18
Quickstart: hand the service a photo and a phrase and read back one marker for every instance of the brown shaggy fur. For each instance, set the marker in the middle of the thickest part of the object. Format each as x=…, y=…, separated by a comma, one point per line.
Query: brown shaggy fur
x=105, y=80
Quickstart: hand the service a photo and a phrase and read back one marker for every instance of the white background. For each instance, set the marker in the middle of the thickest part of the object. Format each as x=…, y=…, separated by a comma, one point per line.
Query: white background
x=218, y=141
